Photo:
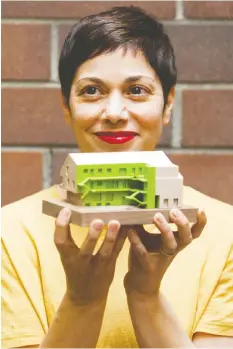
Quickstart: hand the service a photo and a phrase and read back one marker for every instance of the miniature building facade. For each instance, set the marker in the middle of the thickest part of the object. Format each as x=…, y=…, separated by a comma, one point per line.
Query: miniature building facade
x=141, y=179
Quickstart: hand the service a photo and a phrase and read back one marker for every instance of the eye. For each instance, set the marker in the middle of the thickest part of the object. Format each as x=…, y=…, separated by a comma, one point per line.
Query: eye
x=138, y=90
x=90, y=91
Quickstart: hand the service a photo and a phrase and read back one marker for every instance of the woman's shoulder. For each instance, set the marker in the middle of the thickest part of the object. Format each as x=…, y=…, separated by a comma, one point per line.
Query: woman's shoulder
x=30, y=202
x=24, y=221
x=25, y=217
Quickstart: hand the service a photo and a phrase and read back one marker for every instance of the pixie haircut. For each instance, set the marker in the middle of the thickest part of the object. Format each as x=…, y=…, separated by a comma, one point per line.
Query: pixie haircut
x=126, y=27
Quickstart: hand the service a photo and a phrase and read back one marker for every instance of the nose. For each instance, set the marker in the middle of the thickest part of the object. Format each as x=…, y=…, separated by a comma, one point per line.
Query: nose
x=115, y=110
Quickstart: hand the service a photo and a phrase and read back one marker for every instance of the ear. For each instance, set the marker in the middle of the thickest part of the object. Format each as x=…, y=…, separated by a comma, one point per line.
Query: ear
x=169, y=107
x=66, y=111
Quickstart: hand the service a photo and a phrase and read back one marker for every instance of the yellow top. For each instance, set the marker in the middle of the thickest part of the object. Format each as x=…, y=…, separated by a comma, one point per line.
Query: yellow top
x=198, y=284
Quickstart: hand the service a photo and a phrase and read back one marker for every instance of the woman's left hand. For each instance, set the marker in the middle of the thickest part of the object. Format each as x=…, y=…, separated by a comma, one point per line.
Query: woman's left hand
x=151, y=254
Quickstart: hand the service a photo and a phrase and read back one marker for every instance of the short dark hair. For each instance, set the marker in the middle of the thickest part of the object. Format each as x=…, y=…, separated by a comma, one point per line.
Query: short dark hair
x=127, y=27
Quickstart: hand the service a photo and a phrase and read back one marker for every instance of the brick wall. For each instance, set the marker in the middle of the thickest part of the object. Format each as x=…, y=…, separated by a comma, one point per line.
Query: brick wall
x=35, y=139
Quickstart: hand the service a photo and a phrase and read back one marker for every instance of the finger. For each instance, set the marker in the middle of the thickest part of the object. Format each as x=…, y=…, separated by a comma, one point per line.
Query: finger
x=120, y=240
x=62, y=236
x=198, y=227
x=138, y=248
x=108, y=244
x=168, y=241
x=183, y=225
x=93, y=235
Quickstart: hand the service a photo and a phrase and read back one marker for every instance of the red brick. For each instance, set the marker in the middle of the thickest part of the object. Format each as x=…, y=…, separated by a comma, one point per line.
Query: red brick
x=208, y=9
x=77, y=9
x=22, y=174
x=165, y=139
x=40, y=109
x=208, y=118
x=25, y=52
x=209, y=173
x=33, y=116
x=203, y=52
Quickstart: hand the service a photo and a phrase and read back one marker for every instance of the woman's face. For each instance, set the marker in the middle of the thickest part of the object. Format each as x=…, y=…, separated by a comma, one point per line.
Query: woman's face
x=117, y=103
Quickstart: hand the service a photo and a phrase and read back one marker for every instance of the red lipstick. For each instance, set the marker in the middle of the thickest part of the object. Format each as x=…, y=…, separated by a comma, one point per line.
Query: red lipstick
x=116, y=137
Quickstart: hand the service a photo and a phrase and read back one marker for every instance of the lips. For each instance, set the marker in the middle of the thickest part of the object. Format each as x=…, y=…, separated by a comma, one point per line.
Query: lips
x=119, y=137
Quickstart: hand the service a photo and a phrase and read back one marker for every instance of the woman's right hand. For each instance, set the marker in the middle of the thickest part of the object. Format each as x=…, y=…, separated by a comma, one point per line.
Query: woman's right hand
x=88, y=276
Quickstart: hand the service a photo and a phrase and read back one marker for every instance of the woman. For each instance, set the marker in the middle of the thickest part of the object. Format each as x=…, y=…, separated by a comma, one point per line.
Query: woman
x=117, y=73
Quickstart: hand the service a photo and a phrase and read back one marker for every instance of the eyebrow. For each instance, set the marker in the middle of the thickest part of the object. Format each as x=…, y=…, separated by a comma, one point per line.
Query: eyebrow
x=127, y=80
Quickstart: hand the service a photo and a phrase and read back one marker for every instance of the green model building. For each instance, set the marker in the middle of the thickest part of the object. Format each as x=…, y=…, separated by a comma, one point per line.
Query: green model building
x=103, y=179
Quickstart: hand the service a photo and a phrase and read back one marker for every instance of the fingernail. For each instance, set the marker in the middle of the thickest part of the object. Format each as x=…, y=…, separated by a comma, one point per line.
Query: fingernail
x=63, y=216
x=115, y=225
x=98, y=226
x=203, y=212
x=65, y=212
x=175, y=213
x=159, y=218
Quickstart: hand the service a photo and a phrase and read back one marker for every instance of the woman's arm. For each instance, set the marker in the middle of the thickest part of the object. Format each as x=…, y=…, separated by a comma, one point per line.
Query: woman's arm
x=75, y=325
x=155, y=324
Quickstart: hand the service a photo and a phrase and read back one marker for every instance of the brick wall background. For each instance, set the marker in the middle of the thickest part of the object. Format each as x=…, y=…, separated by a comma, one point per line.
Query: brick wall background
x=35, y=138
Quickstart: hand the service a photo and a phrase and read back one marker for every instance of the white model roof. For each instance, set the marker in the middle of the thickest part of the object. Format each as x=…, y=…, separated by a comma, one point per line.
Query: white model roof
x=156, y=158
x=164, y=167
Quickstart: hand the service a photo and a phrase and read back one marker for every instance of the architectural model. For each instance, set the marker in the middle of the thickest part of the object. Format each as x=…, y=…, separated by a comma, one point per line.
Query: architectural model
x=132, y=186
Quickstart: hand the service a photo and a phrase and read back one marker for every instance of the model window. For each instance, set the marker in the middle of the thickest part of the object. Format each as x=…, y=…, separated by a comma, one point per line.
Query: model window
x=122, y=171
x=165, y=201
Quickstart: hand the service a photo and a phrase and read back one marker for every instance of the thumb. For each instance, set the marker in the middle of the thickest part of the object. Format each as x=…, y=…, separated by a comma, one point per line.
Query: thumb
x=62, y=235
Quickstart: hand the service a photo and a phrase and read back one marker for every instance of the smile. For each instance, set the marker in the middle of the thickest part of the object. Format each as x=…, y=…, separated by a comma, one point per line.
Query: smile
x=116, y=137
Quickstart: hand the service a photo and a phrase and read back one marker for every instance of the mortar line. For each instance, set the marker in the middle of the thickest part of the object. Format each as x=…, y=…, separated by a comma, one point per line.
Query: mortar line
x=176, y=141
x=193, y=151
x=71, y=22
x=47, y=169
x=179, y=10
x=188, y=86
x=204, y=86
x=31, y=84
x=54, y=53
x=51, y=149
x=19, y=148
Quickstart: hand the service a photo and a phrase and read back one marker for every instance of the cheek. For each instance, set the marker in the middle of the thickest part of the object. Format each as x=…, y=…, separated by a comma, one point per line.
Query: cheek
x=149, y=114
x=85, y=114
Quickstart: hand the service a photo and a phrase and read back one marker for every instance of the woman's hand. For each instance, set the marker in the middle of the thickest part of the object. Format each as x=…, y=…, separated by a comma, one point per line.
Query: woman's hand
x=88, y=276
x=151, y=254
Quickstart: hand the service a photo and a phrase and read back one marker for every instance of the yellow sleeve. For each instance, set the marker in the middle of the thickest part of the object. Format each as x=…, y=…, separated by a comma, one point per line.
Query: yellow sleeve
x=23, y=312
x=217, y=318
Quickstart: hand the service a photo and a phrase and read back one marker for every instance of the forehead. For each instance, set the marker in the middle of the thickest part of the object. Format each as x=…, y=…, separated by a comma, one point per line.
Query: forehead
x=116, y=66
